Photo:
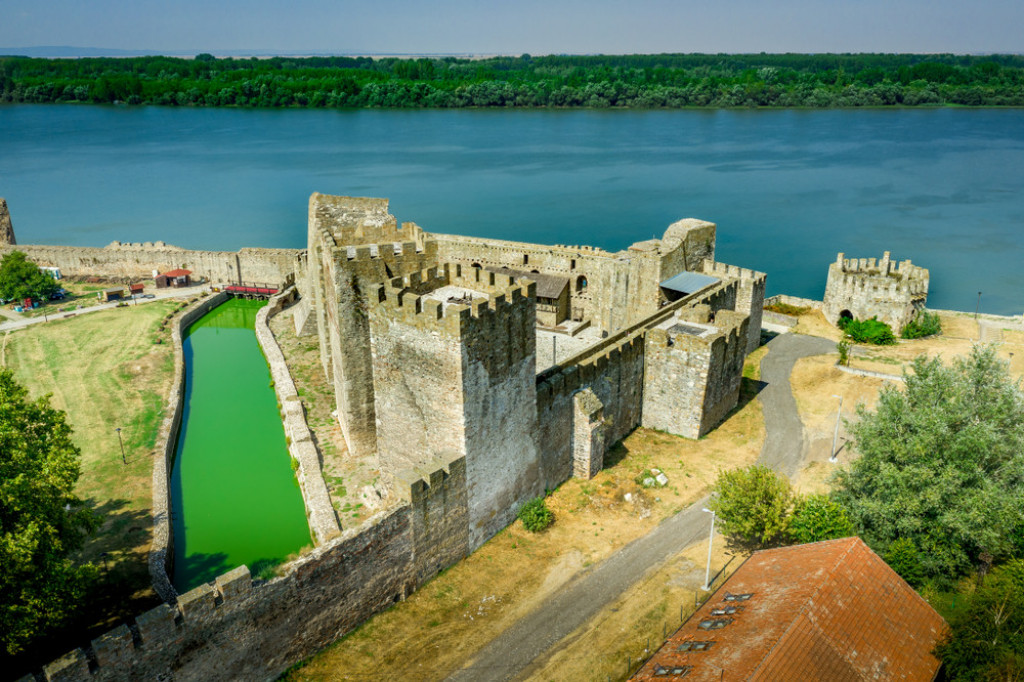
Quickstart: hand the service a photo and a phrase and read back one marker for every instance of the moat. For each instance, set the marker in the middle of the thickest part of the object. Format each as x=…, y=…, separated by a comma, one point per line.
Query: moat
x=235, y=499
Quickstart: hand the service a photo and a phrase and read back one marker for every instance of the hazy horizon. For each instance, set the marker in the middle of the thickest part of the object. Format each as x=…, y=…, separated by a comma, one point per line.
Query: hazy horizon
x=473, y=27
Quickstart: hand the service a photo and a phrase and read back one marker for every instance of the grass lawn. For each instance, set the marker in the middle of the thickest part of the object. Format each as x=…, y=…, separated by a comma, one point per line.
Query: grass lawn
x=447, y=621
x=105, y=371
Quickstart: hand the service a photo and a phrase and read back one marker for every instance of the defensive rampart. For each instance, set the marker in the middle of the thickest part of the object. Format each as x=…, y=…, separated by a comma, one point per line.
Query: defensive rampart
x=139, y=261
x=237, y=628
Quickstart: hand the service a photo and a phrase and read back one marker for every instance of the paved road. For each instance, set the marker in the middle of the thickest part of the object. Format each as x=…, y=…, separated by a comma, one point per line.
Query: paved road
x=20, y=321
x=513, y=651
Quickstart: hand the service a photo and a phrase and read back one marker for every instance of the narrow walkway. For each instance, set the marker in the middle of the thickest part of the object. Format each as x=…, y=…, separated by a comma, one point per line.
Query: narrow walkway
x=512, y=652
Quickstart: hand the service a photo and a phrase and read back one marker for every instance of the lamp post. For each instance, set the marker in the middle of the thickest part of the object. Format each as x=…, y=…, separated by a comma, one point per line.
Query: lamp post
x=711, y=538
x=835, y=434
x=124, y=460
x=977, y=308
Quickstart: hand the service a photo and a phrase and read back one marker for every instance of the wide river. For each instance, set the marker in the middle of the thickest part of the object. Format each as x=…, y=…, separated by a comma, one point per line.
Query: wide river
x=788, y=189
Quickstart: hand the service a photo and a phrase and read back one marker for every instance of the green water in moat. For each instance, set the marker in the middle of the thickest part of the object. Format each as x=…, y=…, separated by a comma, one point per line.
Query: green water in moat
x=235, y=499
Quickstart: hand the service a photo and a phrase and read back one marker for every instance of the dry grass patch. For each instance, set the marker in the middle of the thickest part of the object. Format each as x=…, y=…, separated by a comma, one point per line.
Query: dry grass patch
x=629, y=630
x=813, y=323
x=104, y=370
x=450, y=619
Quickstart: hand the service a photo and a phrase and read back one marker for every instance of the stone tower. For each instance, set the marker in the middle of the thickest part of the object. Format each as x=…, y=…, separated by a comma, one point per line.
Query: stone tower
x=6, y=228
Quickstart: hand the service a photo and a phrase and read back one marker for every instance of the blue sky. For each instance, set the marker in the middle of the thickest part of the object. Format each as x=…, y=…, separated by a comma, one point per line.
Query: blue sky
x=517, y=26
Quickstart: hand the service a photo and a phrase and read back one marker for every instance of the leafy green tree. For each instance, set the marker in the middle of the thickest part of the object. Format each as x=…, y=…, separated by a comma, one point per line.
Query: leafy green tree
x=752, y=505
x=942, y=464
x=818, y=517
x=985, y=642
x=902, y=557
x=41, y=520
x=20, y=278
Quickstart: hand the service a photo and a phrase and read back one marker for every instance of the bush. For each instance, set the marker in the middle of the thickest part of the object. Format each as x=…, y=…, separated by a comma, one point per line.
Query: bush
x=753, y=506
x=925, y=324
x=535, y=515
x=816, y=518
x=844, y=351
x=902, y=557
x=787, y=309
x=872, y=331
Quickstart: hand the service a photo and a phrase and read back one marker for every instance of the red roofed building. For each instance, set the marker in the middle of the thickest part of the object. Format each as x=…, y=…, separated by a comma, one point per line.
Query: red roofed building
x=173, y=278
x=830, y=611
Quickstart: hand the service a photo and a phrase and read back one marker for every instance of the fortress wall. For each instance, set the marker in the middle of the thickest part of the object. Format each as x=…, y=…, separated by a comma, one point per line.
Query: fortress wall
x=459, y=379
x=237, y=628
x=339, y=278
x=615, y=377
x=138, y=261
x=691, y=383
x=320, y=514
x=749, y=295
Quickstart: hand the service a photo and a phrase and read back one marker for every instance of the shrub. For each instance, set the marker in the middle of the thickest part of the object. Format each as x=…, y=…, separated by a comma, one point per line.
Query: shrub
x=535, y=515
x=844, y=351
x=902, y=557
x=753, y=506
x=818, y=517
x=787, y=309
x=872, y=331
x=925, y=324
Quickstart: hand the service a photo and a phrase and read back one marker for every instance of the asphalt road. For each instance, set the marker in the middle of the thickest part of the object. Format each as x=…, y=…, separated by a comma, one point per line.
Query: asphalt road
x=512, y=652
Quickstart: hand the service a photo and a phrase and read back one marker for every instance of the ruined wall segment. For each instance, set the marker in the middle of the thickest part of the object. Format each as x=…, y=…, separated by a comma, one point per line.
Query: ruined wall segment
x=6, y=227
x=749, y=295
x=866, y=287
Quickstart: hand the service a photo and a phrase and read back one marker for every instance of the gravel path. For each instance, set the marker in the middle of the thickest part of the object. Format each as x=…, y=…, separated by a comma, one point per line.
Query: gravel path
x=512, y=652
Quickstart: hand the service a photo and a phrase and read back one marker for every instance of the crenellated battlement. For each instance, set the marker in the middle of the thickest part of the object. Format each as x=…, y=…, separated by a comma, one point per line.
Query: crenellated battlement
x=868, y=287
x=711, y=267
x=407, y=299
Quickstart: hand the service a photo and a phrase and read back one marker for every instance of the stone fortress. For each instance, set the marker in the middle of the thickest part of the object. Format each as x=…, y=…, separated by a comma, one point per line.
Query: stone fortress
x=431, y=342
x=864, y=287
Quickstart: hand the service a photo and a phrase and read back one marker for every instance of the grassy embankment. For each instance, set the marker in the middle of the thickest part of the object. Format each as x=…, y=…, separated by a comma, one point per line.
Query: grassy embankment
x=444, y=624
x=105, y=371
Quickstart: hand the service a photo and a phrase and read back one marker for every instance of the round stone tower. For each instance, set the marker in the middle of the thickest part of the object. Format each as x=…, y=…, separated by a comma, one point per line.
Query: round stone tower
x=6, y=228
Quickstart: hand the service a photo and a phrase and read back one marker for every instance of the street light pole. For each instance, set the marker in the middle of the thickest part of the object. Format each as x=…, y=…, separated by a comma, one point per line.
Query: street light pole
x=977, y=308
x=119, y=440
x=711, y=538
x=835, y=434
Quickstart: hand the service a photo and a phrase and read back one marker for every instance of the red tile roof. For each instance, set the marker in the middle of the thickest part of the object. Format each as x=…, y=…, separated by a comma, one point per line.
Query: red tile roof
x=830, y=611
x=177, y=273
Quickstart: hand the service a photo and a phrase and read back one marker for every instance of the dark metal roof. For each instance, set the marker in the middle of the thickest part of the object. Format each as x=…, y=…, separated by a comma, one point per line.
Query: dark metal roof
x=688, y=282
x=548, y=286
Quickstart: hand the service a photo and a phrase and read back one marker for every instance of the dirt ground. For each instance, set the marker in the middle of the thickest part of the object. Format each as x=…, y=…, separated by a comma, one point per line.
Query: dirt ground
x=451, y=618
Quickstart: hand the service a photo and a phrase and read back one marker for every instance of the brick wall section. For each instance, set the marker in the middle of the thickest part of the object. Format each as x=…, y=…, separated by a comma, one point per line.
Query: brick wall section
x=894, y=292
x=319, y=512
x=459, y=379
x=588, y=435
x=690, y=382
x=138, y=261
x=238, y=628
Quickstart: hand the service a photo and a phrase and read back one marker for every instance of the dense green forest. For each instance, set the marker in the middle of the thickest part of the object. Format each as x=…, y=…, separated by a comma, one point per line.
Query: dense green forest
x=637, y=81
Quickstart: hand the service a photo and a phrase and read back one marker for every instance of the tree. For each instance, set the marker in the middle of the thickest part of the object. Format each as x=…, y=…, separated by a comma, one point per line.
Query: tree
x=902, y=557
x=41, y=520
x=753, y=505
x=942, y=464
x=816, y=518
x=984, y=641
x=20, y=278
